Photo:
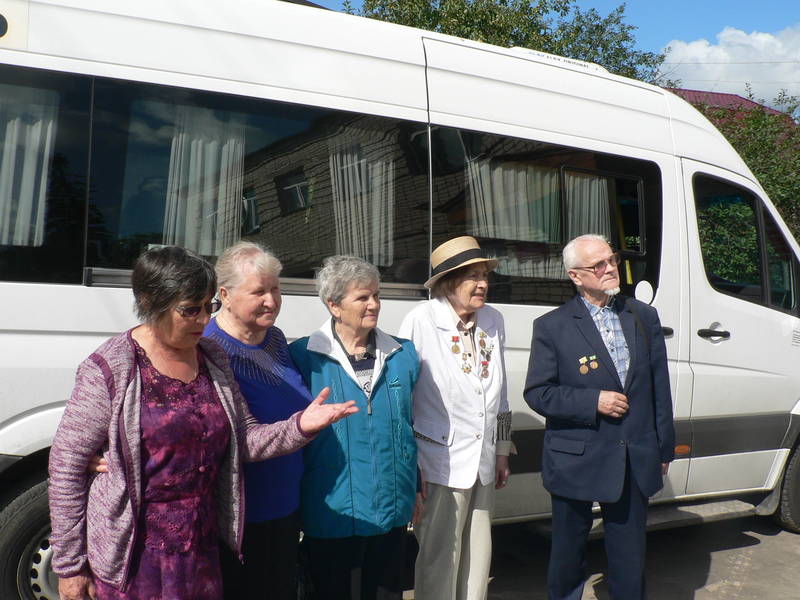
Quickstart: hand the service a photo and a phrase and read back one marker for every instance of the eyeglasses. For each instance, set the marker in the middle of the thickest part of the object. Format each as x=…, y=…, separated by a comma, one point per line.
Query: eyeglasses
x=599, y=268
x=192, y=311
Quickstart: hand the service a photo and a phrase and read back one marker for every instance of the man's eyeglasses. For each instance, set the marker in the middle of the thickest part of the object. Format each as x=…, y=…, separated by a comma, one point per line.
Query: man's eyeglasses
x=192, y=311
x=599, y=268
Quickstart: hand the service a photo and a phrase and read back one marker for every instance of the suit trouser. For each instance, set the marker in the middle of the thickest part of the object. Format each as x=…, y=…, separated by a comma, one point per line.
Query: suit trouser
x=455, y=543
x=624, y=523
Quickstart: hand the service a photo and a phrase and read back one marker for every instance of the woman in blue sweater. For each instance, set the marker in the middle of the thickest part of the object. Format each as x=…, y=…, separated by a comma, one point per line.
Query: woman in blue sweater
x=245, y=328
x=359, y=485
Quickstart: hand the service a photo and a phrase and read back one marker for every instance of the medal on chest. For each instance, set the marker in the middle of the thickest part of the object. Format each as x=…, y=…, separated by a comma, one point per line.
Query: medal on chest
x=485, y=348
x=583, y=368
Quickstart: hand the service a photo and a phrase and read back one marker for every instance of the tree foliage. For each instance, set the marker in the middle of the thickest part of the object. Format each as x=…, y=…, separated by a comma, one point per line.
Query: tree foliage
x=554, y=26
x=730, y=246
x=769, y=144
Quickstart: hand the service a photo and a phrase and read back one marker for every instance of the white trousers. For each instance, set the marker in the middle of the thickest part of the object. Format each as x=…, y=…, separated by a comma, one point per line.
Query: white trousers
x=455, y=543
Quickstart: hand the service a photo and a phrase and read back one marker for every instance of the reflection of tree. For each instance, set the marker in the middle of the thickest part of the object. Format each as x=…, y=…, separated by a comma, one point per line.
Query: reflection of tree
x=729, y=242
x=130, y=247
x=63, y=257
x=60, y=258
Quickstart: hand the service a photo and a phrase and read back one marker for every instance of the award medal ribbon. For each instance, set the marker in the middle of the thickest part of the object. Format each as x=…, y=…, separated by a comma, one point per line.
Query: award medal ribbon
x=486, y=353
x=456, y=349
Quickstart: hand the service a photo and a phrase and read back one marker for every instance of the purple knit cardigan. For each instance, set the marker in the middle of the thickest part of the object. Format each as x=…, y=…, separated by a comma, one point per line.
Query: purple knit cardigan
x=94, y=517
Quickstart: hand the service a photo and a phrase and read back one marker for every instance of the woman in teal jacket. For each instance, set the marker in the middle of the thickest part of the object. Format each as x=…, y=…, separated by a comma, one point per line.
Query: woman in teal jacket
x=359, y=484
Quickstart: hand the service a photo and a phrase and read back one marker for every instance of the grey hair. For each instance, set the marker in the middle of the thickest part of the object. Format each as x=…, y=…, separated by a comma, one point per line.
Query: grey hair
x=234, y=262
x=339, y=272
x=166, y=275
x=570, y=250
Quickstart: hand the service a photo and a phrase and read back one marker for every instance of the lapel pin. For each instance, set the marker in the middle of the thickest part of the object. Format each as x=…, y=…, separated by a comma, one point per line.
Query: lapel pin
x=593, y=363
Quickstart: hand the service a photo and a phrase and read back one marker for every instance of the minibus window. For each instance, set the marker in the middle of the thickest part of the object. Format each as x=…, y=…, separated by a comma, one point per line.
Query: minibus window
x=525, y=199
x=202, y=170
x=44, y=125
x=781, y=267
x=729, y=238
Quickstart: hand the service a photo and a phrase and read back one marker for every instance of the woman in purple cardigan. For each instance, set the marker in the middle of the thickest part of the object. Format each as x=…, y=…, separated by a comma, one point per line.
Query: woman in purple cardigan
x=162, y=406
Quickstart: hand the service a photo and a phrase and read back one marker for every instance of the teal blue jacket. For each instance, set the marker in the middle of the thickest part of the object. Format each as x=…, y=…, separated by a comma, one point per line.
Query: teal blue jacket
x=360, y=473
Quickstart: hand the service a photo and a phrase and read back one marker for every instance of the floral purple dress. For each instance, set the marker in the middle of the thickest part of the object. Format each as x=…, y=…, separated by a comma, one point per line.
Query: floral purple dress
x=185, y=436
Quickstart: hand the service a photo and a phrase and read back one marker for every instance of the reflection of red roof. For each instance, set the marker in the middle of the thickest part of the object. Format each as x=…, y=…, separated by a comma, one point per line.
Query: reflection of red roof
x=720, y=100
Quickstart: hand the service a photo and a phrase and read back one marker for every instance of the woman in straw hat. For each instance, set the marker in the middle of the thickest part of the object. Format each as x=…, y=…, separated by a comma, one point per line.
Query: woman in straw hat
x=461, y=421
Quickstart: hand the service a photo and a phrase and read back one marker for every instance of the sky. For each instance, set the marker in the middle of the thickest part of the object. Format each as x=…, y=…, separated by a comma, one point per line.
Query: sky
x=715, y=45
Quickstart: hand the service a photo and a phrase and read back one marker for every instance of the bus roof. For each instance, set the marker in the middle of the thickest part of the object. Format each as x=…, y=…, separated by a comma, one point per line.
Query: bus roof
x=302, y=54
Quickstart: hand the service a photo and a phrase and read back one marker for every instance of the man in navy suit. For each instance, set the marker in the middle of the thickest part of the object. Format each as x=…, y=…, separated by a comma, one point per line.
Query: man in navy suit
x=598, y=373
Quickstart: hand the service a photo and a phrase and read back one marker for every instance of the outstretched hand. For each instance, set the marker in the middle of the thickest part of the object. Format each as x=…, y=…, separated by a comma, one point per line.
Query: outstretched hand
x=319, y=415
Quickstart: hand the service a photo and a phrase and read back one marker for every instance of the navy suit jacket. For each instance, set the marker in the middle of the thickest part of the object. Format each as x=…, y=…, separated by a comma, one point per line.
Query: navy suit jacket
x=585, y=453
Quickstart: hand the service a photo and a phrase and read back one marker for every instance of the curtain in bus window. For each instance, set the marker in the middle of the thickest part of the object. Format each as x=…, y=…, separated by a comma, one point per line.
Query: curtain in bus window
x=518, y=202
x=587, y=204
x=204, y=186
x=27, y=132
x=363, y=205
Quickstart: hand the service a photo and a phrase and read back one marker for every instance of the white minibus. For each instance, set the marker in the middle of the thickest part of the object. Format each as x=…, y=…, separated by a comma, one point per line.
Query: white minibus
x=126, y=124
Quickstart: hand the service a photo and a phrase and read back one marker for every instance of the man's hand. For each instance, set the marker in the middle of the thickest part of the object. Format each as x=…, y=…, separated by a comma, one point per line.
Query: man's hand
x=612, y=404
x=664, y=468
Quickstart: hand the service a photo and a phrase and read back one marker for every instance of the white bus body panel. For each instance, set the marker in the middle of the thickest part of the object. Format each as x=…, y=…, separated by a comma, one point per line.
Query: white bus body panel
x=43, y=337
x=279, y=51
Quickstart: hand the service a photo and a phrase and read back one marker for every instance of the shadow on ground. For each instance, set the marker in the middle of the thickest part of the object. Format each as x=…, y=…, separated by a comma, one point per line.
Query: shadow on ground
x=679, y=561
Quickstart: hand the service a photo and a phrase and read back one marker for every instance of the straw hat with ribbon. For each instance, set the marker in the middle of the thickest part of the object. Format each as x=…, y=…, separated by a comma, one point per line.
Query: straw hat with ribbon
x=456, y=253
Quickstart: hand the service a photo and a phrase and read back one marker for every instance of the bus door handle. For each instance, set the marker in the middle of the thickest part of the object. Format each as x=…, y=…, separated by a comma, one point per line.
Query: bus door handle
x=667, y=331
x=713, y=333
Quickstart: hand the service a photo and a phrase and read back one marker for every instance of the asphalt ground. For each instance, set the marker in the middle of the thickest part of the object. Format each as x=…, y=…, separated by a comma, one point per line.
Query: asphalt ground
x=741, y=559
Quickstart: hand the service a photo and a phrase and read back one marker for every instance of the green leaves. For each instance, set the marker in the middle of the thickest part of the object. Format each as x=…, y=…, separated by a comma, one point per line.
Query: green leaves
x=770, y=145
x=554, y=26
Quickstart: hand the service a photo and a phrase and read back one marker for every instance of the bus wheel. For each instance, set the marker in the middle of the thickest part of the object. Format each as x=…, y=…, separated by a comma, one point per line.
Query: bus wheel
x=25, y=552
x=788, y=513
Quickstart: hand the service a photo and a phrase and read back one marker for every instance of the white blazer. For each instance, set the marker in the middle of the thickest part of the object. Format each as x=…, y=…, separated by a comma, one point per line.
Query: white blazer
x=456, y=412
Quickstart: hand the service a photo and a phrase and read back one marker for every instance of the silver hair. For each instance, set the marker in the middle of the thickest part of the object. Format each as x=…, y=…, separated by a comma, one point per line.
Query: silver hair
x=339, y=272
x=569, y=252
x=235, y=262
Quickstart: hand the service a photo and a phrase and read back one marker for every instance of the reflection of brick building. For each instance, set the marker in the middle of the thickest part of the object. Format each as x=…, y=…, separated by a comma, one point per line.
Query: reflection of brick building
x=358, y=184
x=365, y=164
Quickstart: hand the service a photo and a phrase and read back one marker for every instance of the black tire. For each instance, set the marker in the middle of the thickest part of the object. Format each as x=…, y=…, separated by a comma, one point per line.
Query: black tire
x=25, y=553
x=788, y=513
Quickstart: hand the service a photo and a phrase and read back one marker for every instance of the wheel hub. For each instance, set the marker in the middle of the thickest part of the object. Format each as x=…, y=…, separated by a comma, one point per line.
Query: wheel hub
x=38, y=558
